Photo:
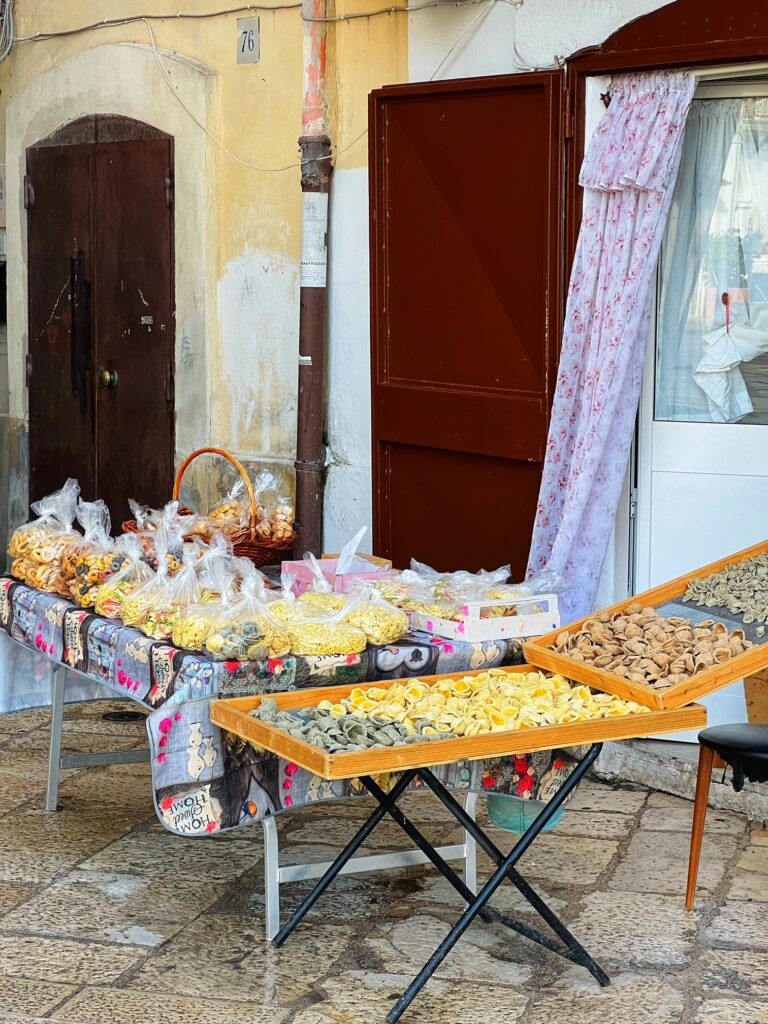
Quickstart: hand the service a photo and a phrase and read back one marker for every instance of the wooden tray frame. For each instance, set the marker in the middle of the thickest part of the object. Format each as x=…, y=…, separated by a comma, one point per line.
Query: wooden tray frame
x=539, y=653
x=232, y=715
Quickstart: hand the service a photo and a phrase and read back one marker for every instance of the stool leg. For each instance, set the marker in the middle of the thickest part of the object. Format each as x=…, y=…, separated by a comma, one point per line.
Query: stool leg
x=703, y=779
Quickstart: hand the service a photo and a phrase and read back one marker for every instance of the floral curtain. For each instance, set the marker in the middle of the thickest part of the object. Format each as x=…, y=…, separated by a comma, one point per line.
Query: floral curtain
x=628, y=177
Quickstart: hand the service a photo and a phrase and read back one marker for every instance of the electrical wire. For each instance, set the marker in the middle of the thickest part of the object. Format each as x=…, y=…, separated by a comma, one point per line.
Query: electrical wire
x=215, y=140
x=6, y=28
x=248, y=8
x=461, y=35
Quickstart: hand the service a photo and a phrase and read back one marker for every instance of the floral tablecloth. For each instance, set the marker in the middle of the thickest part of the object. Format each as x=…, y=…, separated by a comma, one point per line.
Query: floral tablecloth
x=204, y=780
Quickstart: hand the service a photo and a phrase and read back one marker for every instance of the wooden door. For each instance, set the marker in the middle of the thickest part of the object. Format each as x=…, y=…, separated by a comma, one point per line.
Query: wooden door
x=61, y=407
x=100, y=362
x=466, y=300
x=134, y=323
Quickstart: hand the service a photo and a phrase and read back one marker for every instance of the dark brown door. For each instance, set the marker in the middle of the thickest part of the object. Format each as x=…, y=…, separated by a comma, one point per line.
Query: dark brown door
x=61, y=418
x=101, y=364
x=466, y=254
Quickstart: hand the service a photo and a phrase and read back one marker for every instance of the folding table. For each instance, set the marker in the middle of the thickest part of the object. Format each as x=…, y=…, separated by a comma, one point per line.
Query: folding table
x=415, y=761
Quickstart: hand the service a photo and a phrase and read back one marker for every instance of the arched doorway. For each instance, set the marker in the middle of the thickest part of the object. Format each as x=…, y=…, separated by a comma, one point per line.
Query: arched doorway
x=100, y=358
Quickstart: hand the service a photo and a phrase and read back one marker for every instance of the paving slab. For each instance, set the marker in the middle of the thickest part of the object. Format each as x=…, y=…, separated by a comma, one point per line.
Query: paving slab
x=363, y=997
x=11, y=895
x=36, y=998
x=739, y=923
x=126, y=1006
x=38, y=845
x=665, y=813
x=727, y=971
x=636, y=930
x=153, y=850
x=732, y=1011
x=484, y=955
x=603, y=797
x=595, y=824
x=62, y=960
x=658, y=862
x=220, y=955
x=110, y=907
x=749, y=880
x=578, y=999
x=562, y=860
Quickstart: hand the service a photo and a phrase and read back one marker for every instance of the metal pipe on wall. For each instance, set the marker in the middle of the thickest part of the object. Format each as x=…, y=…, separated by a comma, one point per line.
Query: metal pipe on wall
x=315, y=186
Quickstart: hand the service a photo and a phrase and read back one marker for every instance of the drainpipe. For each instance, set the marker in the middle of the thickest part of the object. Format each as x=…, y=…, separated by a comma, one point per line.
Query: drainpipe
x=315, y=186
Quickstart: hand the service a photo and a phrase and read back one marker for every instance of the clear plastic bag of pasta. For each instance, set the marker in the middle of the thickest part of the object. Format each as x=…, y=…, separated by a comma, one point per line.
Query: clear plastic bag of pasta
x=244, y=629
x=38, y=547
x=94, y=559
x=132, y=575
x=175, y=524
x=215, y=566
x=381, y=621
x=320, y=593
x=193, y=623
x=286, y=607
x=154, y=607
x=313, y=632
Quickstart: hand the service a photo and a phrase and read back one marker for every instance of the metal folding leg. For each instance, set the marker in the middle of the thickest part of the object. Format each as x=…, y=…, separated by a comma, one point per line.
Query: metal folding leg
x=54, y=749
x=570, y=948
x=58, y=762
x=276, y=875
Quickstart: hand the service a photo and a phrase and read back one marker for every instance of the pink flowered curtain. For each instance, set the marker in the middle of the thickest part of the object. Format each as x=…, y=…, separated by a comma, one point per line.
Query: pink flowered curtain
x=628, y=176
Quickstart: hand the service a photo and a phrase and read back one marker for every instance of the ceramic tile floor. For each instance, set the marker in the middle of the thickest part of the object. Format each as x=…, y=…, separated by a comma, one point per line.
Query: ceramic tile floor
x=104, y=916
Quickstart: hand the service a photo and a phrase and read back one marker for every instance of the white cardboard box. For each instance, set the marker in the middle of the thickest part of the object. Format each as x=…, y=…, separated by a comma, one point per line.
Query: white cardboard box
x=535, y=615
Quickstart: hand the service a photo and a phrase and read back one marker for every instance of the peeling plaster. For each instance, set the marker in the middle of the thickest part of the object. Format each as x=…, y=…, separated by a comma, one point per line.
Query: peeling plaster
x=254, y=364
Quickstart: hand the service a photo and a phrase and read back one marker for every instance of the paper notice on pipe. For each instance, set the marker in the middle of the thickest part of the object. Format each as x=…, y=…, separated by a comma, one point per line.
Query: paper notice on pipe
x=314, y=252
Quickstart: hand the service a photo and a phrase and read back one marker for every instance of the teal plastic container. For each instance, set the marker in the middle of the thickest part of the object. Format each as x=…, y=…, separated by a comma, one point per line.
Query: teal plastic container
x=515, y=814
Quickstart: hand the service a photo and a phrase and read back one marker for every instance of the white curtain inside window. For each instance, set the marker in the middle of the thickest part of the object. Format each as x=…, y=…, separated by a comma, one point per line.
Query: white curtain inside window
x=716, y=242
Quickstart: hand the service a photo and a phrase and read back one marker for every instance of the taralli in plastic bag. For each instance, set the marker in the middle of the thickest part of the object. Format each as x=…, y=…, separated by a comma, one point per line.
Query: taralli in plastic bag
x=133, y=574
x=276, y=512
x=228, y=515
x=95, y=558
x=38, y=547
x=381, y=622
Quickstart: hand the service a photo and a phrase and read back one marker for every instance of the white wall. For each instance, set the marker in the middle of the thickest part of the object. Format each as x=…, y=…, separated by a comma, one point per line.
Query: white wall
x=450, y=42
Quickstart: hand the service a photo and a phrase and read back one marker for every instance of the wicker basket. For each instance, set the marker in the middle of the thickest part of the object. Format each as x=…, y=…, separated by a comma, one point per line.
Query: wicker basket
x=246, y=541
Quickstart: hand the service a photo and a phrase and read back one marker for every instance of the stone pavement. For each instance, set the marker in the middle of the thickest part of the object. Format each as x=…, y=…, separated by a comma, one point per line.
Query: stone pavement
x=105, y=917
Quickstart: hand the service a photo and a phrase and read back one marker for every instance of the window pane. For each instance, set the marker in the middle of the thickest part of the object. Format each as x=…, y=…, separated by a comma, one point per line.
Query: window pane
x=712, y=356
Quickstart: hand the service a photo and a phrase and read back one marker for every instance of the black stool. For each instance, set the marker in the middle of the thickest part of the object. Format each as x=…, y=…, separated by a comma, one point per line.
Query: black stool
x=745, y=749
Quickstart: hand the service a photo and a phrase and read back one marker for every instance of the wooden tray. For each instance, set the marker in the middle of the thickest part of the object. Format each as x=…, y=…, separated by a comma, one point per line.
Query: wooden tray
x=539, y=651
x=232, y=715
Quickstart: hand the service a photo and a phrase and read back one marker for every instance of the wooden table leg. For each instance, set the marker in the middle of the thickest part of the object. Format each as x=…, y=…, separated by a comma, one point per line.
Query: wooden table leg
x=703, y=779
x=756, y=696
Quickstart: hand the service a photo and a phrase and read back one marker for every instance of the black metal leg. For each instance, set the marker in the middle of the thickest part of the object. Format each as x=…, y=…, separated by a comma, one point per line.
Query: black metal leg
x=488, y=914
x=346, y=854
x=496, y=879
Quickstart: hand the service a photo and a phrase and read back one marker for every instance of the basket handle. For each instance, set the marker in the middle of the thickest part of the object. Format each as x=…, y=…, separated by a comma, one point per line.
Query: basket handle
x=253, y=518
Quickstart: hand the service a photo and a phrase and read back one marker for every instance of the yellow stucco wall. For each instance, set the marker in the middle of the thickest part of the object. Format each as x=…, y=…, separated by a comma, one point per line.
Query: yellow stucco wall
x=245, y=379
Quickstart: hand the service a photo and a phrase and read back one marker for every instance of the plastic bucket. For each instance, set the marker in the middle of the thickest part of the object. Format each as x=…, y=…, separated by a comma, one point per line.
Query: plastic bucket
x=515, y=814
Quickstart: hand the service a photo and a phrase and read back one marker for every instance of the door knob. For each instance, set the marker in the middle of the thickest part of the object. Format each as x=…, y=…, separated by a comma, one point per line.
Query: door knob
x=108, y=377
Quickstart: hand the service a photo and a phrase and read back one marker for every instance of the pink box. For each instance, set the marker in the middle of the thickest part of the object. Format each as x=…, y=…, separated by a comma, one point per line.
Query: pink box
x=342, y=583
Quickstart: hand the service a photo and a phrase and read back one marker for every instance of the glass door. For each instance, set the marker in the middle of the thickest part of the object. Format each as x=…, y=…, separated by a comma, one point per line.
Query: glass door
x=703, y=431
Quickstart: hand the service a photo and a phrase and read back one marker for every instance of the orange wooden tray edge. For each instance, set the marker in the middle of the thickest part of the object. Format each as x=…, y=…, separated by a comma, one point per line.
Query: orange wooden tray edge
x=232, y=715
x=540, y=654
